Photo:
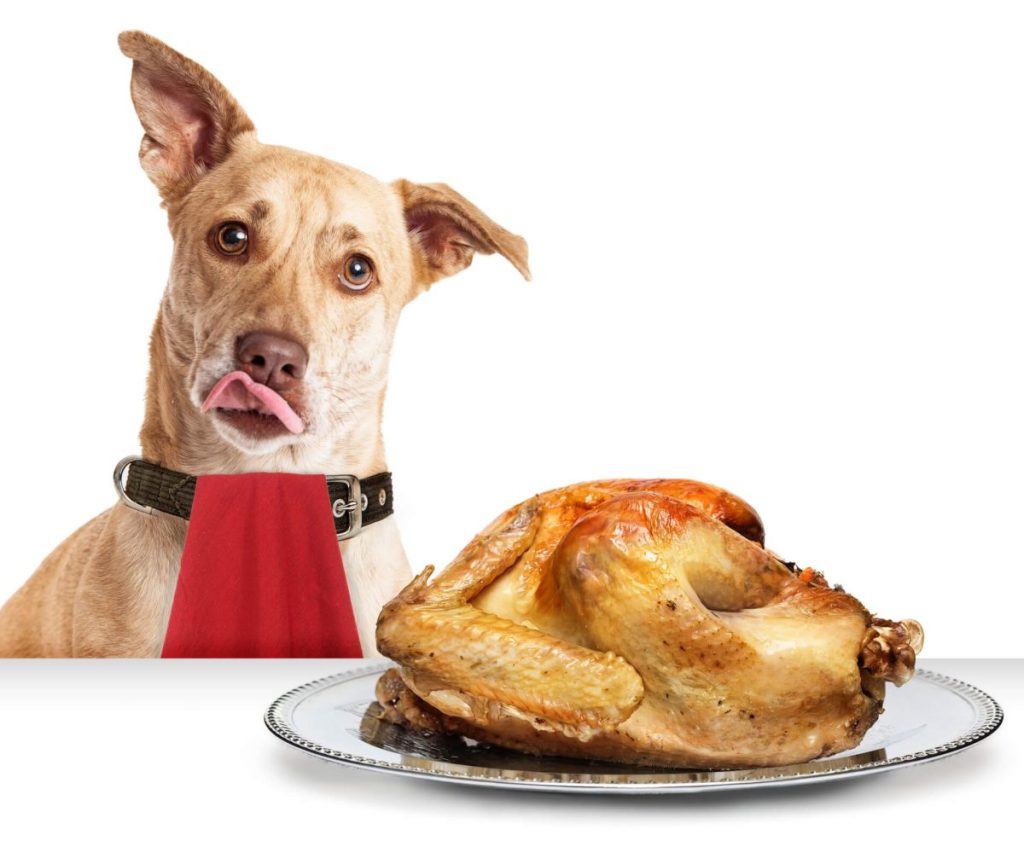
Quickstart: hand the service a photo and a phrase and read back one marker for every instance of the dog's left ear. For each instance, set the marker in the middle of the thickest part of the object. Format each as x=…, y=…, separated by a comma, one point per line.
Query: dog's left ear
x=446, y=230
x=189, y=117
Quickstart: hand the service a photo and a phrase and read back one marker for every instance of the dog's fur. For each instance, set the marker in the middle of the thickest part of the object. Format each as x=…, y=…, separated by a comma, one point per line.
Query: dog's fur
x=107, y=589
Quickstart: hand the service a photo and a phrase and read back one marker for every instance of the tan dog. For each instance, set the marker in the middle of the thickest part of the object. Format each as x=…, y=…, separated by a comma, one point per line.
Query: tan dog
x=293, y=267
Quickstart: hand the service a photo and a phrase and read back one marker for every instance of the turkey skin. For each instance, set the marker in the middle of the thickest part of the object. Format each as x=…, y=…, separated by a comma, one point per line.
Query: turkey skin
x=638, y=621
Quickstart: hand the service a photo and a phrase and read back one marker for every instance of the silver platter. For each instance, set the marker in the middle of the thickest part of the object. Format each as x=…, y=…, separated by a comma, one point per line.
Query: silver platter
x=335, y=718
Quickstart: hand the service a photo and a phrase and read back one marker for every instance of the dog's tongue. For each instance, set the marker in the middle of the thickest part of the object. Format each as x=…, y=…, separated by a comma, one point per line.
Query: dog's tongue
x=237, y=390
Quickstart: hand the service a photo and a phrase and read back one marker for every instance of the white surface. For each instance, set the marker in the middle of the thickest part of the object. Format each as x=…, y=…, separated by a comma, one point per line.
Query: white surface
x=178, y=749
x=776, y=247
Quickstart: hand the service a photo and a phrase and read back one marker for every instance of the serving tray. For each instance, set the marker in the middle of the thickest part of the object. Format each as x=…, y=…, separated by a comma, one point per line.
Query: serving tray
x=337, y=719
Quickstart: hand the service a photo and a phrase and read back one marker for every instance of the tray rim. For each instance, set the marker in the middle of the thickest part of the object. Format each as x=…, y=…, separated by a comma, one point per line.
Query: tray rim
x=990, y=717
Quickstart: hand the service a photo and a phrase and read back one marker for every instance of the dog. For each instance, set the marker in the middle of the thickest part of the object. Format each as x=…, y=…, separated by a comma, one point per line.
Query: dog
x=291, y=268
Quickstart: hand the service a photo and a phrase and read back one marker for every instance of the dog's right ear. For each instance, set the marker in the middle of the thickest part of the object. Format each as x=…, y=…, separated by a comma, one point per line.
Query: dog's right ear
x=188, y=117
x=446, y=230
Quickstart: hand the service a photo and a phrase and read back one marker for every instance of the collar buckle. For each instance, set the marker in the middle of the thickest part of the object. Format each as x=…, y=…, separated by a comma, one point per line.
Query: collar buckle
x=353, y=506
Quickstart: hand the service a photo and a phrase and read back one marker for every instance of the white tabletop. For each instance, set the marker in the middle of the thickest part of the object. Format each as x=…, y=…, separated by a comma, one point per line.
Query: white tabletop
x=137, y=748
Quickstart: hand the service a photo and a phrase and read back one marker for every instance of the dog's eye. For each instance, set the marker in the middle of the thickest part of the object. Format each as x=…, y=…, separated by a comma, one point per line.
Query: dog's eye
x=231, y=238
x=358, y=272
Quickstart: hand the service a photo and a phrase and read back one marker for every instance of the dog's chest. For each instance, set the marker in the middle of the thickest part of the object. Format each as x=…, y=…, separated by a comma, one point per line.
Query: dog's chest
x=376, y=569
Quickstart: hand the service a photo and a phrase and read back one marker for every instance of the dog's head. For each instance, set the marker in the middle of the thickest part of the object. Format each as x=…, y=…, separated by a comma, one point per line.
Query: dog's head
x=289, y=270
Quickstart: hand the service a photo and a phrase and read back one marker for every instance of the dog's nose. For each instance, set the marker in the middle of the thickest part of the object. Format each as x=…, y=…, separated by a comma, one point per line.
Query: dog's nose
x=275, y=361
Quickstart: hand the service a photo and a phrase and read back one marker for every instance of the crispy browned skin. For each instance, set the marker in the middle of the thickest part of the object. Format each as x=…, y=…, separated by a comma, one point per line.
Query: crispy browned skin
x=638, y=621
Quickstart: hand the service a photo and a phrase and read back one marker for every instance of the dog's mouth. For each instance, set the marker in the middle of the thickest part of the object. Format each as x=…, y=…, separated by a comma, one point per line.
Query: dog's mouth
x=253, y=408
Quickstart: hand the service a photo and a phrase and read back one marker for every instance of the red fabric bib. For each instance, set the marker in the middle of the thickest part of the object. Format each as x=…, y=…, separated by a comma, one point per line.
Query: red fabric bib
x=261, y=574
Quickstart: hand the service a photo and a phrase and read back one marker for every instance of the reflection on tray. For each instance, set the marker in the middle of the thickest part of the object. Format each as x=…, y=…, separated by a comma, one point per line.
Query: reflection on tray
x=457, y=755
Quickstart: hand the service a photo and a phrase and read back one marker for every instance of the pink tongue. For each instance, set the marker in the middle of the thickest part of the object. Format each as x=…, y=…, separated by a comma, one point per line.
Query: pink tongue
x=237, y=390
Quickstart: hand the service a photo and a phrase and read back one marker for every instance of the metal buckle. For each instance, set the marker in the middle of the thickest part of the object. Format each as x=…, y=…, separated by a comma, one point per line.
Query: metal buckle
x=354, y=505
x=119, y=470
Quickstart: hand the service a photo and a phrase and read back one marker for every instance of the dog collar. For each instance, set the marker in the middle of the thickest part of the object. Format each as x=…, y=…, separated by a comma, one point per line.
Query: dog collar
x=355, y=502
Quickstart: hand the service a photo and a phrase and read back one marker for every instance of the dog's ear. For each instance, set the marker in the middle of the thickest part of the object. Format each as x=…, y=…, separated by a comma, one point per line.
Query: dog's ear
x=188, y=117
x=446, y=230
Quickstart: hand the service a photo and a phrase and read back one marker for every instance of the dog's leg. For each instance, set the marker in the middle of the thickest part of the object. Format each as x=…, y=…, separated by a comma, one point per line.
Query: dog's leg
x=124, y=597
x=104, y=592
x=375, y=569
x=37, y=620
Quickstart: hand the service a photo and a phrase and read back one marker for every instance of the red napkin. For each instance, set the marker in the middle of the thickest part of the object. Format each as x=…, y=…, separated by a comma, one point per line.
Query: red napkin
x=261, y=574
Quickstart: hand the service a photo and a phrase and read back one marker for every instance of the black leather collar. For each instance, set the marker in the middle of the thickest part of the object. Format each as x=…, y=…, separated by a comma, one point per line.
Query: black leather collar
x=355, y=502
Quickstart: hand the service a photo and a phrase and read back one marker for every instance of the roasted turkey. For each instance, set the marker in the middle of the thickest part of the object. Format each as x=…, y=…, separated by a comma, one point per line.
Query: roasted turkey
x=639, y=622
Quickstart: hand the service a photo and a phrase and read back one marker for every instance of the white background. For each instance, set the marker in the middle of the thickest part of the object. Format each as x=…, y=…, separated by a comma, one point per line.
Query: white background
x=776, y=247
